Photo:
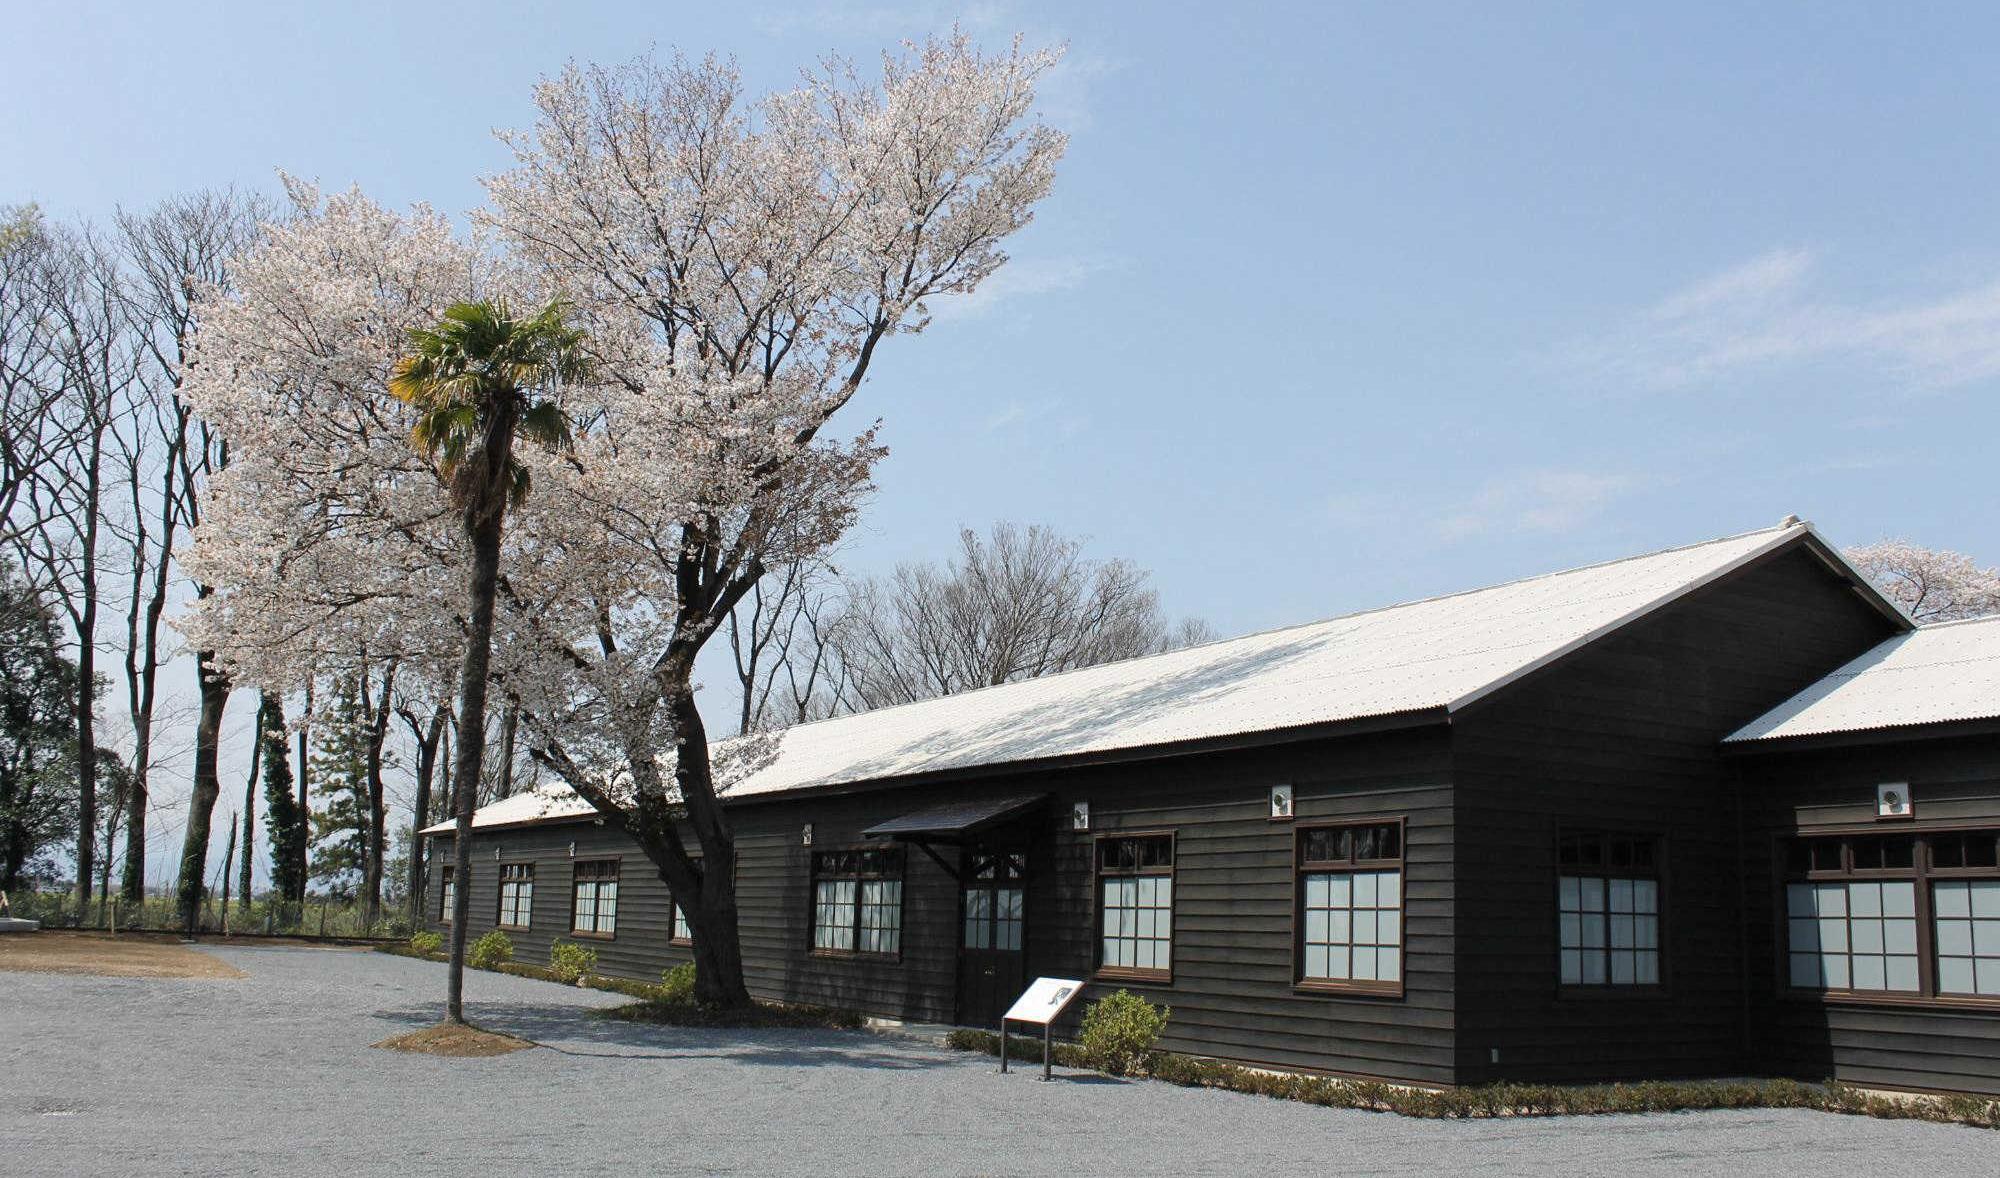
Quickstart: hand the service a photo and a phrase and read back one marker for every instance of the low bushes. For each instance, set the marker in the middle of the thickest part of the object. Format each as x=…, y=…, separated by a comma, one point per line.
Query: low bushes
x=426, y=943
x=1120, y=1032
x=570, y=962
x=1519, y=1100
x=677, y=984
x=490, y=951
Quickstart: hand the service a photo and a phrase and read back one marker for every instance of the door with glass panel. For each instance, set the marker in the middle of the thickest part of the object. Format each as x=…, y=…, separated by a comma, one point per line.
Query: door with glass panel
x=992, y=952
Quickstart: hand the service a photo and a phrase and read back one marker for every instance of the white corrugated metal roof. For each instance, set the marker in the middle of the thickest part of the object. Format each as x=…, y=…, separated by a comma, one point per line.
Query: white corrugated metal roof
x=546, y=804
x=1933, y=675
x=1441, y=653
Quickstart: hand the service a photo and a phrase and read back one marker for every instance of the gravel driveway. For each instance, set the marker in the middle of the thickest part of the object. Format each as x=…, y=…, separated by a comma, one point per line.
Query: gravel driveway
x=272, y=1073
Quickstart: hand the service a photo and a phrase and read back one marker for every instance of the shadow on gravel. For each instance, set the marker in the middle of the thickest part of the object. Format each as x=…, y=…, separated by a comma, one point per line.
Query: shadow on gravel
x=572, y=1031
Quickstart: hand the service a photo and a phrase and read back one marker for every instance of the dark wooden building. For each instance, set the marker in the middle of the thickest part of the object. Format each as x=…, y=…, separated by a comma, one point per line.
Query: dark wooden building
x=1529, y=832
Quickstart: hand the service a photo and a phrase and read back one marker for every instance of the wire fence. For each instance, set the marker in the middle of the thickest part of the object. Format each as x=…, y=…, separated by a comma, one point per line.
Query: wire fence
x=315, y=916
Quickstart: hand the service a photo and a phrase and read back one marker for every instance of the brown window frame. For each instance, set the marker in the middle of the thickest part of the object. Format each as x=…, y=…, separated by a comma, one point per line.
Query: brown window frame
x=1098, y=874
x=1922, y=872
x=894, y=853
x=674, y=937
x=1303, y=867
x=617, y=874
x=447, y=891
x=500, y=897
x=1608, y=871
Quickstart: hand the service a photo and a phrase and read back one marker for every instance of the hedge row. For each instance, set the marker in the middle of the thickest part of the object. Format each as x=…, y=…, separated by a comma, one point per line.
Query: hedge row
x=1521, y=1100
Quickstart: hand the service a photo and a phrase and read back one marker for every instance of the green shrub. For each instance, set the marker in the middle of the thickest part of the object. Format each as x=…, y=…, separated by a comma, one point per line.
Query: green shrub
x=1120, y=1031
x=677, y=984
x=427, y=942
x=570, y=962
x=490, y=951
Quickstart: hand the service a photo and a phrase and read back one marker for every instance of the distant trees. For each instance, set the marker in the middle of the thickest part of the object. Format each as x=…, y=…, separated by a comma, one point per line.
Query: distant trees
x=284, y=824
x=1016, y=604
x=1935, y=585
x=38, y=784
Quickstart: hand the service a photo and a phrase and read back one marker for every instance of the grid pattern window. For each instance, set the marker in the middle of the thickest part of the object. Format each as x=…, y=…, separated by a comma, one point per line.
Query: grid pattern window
x=683, y=932
x=1851, y=915
x=995, y=901
x=1136, y=904
x=1965, y=913
x=447, y=894
x=1351, y=905
x=858, y=901
x=1608, y=909
x=594, y=908
x=517, y=894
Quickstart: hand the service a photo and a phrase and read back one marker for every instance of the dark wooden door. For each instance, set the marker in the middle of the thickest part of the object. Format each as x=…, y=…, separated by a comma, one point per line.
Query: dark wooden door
x=992, y=943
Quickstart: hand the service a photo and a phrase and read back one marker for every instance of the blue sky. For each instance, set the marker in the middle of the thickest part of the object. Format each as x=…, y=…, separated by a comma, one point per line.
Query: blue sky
x=1334, y=304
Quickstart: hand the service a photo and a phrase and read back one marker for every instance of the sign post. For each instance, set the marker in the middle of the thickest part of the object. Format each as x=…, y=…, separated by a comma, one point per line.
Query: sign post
x=1040, y=1003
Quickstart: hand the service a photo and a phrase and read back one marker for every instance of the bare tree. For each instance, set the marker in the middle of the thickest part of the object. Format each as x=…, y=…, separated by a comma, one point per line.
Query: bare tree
x=1935, y=585
x=779, y=641
x=1018, y=604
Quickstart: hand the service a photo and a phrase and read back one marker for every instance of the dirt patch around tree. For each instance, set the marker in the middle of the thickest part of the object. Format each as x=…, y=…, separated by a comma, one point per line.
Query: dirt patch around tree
x=454, y=1039
x=126, y=955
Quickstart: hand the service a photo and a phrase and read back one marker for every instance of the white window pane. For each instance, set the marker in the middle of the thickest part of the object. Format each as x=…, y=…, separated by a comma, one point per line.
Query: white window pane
x=1954, y=938
x=1646, y=932
x=1986, y=976
x=1899, y=936
x=1902, y=973
x=1165, y=893
x=1833, y=968
x=1593, y=932
x=1955, y=975
x=1621, y=969
x=1869, y=973
x=1389, y=928
x=1645, y=896
x=1900, y=899
x=1572, y=967
x=1570, y=893
x=1621, y=932
x=1986, y=938
x=1864, y=899
x=1142, y=955
x=1339, y=891
x=1364, y=928
x=1621, y=895
x=1389, y=965
x=1593, y=968
x=1866, y=935
x=1572, y=931
x=1647, y=968
x=1951, y=899
x=1149, y=920
x=1389, y=890
x=1165, y=922
x=1337, y=963
x=1805, y=936
x=1986, y=898
x=1339, y=927
x=1833, y=935
x=1316, y=926
x=1364, y=964
x=1364, y=890
x=1316, y=956
x=1316, y=891
x=1593, y=895
x=1805, y=970
x=1831, y=899
x=1142, y=892
x=1799, y=900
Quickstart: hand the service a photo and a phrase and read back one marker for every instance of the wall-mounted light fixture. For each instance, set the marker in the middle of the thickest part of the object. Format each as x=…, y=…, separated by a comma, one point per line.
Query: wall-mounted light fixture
x=1893, y=800
x=1281, y=803
x=806, y=835
x=1079, y=816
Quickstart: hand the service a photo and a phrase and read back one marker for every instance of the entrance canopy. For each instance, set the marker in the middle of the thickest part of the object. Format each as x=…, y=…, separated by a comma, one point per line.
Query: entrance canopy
x=955, y=821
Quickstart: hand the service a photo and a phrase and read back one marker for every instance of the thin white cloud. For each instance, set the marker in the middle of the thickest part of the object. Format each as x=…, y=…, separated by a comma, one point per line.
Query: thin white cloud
x=1545, y=501
x=1020, y=278
x=876, y=20
x=1767, y=314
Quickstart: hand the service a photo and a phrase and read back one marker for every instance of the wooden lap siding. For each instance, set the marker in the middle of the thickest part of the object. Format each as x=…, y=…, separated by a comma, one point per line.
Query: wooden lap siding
x=1623, y=735
x=1900, y=1046
x=639, y=950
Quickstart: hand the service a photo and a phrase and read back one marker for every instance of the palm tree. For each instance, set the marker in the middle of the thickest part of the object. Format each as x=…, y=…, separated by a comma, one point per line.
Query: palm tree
x=478, y=381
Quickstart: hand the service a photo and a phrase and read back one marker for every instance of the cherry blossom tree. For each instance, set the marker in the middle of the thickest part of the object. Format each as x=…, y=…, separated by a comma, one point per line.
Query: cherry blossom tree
x=1935, y=585
x=736, y=268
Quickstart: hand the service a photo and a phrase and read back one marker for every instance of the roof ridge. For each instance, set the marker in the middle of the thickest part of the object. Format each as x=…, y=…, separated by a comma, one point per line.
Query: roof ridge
x=1803, y=527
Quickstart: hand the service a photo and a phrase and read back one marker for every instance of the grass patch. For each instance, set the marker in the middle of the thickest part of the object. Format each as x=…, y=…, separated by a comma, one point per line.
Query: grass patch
x=461, y=1040
x=1519, y=1100
x=756, y=1015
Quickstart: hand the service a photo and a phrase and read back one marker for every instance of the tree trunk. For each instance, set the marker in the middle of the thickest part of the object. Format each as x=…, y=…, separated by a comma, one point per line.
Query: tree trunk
x=228, y=861
x=301, y=838
x=207, y=788
x=250, y=810
x=132, y=882
x=378, y=809
x=507, y=727
x=427, y=753
x=484, y=517
x=718, y=948
x=86, y=758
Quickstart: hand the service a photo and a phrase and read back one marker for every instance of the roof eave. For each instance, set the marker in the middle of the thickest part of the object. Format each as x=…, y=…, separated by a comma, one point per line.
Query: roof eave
x=1852, y=737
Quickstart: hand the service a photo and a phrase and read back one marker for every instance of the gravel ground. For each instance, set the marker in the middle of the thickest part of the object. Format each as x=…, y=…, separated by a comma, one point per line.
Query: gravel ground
x=272, y=1073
